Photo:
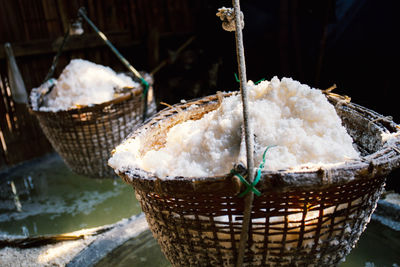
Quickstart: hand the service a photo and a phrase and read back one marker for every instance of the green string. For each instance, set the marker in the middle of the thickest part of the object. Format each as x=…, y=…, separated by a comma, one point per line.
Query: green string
x=263, y=79
x=256, y=180
x=237, y=79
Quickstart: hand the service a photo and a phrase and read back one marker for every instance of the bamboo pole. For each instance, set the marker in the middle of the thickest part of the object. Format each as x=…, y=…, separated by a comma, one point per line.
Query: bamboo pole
x=249, y=137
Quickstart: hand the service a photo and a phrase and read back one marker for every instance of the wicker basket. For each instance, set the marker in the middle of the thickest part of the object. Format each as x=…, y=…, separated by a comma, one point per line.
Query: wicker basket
x=197, y=220
x=84, y=137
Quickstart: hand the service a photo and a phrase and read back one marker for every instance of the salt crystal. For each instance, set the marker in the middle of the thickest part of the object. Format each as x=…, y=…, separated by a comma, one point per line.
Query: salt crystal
x=85, y=83
x=298, y=120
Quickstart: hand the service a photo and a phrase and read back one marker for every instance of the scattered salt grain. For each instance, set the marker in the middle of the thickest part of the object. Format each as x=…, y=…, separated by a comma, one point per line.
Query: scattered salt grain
x=298, y=120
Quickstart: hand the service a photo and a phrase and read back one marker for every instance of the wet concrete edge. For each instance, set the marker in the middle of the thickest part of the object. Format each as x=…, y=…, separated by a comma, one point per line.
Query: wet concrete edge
x=104, y=244
x=388, y=214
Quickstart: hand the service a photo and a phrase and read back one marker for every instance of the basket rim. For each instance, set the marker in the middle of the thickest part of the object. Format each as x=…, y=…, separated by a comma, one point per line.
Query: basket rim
x=379, y=163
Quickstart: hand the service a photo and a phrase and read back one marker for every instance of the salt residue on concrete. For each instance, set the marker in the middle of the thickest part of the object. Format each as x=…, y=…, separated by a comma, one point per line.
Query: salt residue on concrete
x=50, y=255
x=82, y=252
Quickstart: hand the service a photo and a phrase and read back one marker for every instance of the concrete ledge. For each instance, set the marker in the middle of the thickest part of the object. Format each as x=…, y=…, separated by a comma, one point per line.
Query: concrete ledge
x=107, y=242
x=387, y=213
x=85, y=251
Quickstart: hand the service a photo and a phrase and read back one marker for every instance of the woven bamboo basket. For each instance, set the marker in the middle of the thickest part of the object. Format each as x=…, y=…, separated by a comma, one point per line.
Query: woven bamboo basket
x=84, y=137
x=197, y=220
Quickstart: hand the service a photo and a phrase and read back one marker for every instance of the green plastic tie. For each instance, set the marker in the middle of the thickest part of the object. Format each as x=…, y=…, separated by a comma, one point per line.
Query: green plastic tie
x=247, y=184
x=263, y=79
x=237, y=79
x=146, y=87
x=256, y=180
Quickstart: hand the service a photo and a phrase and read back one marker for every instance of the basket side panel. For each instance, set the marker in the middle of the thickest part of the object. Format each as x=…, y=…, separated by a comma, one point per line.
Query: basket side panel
x=294, y=228
x=85, y=138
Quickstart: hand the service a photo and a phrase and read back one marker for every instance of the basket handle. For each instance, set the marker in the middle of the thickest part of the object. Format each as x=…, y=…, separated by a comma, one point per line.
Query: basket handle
x=82, y=15
x=48, y=81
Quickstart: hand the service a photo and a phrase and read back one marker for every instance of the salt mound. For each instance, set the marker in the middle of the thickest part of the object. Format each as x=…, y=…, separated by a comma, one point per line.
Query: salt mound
x=84, y=83
x=297, y=120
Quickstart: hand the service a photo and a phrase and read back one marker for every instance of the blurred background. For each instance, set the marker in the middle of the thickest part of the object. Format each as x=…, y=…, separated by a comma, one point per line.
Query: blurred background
x=350, y=43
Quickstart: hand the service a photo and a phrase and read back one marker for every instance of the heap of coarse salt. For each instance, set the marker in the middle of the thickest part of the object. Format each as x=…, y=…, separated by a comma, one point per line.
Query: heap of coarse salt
x=297, y=120
x=85, y=83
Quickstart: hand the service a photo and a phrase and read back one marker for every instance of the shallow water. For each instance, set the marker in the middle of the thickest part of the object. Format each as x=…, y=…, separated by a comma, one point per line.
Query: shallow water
x=379, y=246
x=45, y=197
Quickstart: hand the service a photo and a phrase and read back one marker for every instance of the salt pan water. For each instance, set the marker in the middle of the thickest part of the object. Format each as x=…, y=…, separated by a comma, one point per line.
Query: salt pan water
x=45, y=197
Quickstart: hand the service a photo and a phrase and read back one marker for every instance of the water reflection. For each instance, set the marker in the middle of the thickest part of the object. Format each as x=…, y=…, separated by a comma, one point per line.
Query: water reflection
x=45, y=197
x=17, y=203
x=378, y=246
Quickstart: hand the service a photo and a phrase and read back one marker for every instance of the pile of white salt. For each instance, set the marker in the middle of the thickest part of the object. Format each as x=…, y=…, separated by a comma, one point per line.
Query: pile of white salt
x=84, y=83
x=297, y=120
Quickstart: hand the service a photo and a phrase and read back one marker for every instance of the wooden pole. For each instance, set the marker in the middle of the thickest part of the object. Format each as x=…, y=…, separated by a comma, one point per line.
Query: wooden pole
x=249, y=137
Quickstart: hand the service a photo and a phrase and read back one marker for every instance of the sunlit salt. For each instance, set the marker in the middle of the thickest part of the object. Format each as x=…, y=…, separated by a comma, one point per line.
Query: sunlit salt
x=84, y=83
x=297, y=120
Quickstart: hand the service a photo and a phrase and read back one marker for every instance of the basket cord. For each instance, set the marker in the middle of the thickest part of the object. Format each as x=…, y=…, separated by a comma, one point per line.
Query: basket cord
x=55, y=59
x=48, y=81
x=82, y=13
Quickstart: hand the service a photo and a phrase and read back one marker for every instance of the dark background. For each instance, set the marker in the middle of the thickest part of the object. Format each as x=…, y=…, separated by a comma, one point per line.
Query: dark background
x=352, y=44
